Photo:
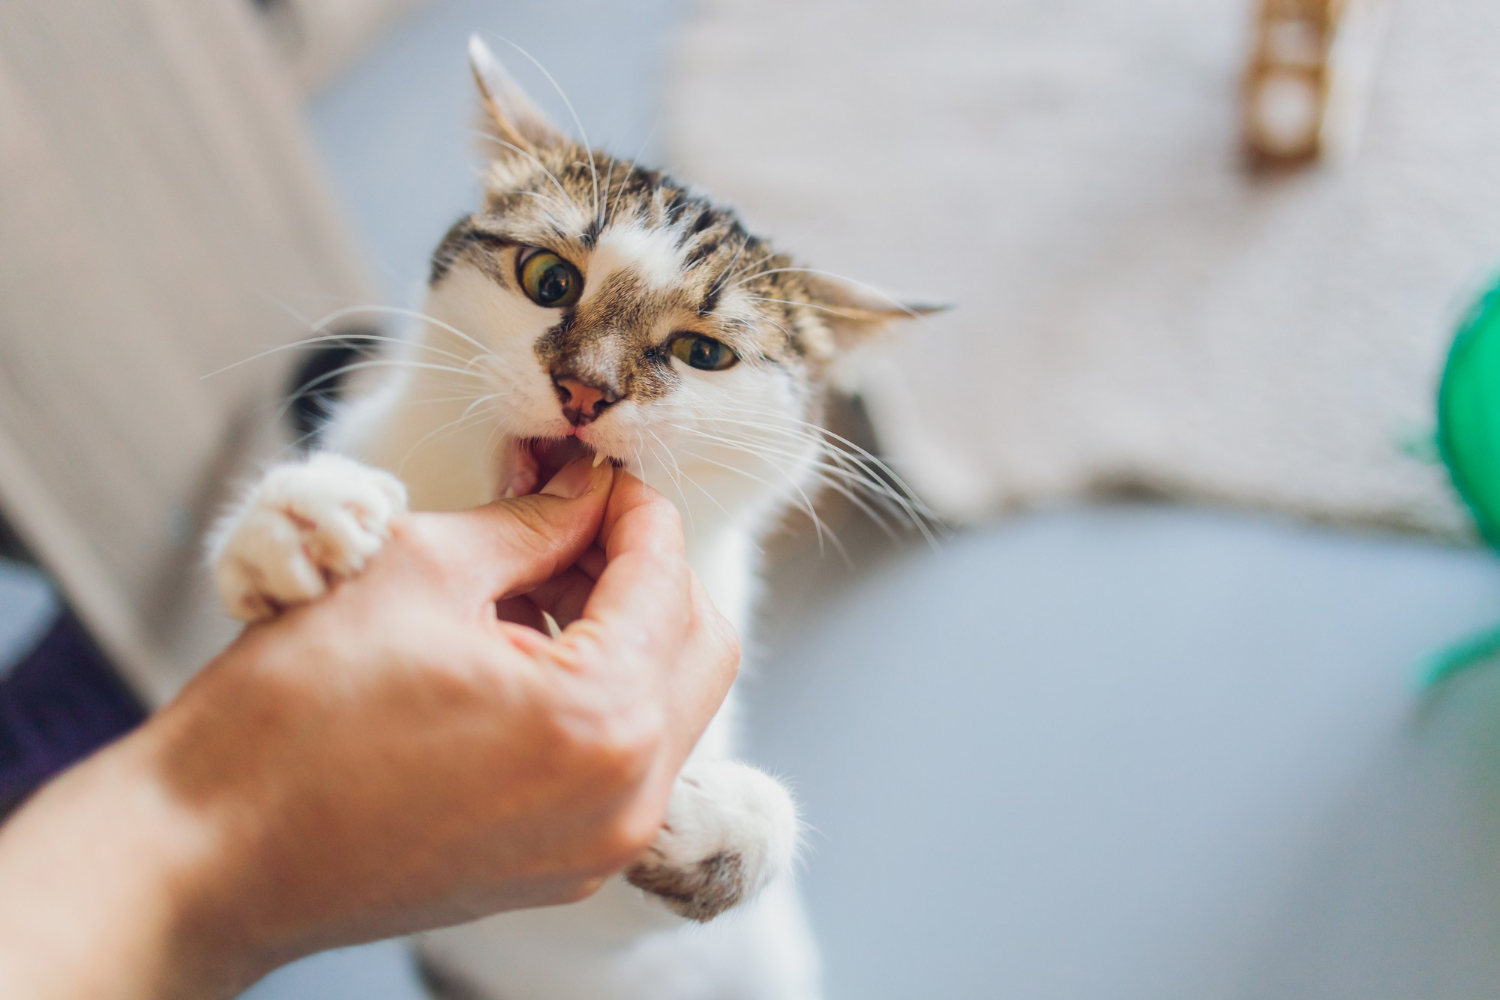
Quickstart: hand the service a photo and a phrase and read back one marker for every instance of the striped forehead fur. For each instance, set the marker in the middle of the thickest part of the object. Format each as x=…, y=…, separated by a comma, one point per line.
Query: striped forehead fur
x=616, y=220
x=653, y=256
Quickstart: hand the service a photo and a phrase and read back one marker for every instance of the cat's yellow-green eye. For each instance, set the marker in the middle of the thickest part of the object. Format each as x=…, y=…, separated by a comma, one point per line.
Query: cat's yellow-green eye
x=704, y=353
x=550, y=281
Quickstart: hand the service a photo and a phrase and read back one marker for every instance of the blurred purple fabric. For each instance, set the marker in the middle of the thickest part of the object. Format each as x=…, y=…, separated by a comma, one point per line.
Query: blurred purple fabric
x=58, y=704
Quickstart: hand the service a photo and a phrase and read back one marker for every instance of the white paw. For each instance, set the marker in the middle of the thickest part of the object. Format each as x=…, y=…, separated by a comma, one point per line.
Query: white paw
x=730, y=830
x=304, y=527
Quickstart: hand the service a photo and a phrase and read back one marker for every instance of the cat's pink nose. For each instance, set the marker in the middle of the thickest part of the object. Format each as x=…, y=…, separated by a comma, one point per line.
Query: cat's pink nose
x=582, y=403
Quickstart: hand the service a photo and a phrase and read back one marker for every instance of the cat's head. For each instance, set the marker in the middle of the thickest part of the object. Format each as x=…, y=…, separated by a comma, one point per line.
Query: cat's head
x=621, y=311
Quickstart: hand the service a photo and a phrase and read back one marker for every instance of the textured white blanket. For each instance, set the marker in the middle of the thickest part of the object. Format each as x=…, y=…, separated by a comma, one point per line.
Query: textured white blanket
x=1134, y=309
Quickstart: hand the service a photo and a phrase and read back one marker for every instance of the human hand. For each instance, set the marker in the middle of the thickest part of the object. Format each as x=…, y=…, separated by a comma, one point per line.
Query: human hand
x=393, y=757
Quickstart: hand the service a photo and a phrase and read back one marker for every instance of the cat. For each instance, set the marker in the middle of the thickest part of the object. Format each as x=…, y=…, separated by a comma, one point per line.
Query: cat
x=593, y=306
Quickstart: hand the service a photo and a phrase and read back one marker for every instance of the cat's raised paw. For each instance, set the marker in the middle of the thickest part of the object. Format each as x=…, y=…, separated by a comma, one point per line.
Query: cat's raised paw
x=729, y=831
x=304, y=526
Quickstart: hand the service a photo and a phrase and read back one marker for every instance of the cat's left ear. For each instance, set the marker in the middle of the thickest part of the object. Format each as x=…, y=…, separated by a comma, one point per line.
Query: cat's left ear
x=854, y=312
x=507, y=114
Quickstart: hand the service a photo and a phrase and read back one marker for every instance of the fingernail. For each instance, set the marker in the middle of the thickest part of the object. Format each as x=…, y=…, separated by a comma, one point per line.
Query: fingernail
x=572, y=480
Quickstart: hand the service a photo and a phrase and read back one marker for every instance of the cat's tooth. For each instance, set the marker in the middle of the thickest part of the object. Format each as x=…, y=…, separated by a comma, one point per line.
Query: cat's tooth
x=598, y=457
x=510, y=493
x=552, y=627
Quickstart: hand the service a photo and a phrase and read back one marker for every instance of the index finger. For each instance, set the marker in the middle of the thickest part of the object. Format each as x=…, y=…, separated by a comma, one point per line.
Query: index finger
x=509, y=546
x=643, y=598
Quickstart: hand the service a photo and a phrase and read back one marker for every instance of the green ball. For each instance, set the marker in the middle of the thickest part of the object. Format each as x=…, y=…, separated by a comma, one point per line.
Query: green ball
x=1468, y=414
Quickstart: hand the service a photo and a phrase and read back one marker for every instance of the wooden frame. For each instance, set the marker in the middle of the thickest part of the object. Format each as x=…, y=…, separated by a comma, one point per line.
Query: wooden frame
x=1308, y=76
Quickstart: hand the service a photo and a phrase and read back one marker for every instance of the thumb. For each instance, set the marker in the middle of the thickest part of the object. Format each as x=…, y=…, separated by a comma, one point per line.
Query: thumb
x=526, y=541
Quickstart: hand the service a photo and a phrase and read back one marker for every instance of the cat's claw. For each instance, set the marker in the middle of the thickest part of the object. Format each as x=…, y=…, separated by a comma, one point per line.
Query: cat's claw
x=304, y=526
x=730, y=830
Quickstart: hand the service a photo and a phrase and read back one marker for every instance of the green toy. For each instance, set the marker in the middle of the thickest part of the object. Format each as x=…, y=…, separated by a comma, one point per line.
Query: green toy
x=1468, y=441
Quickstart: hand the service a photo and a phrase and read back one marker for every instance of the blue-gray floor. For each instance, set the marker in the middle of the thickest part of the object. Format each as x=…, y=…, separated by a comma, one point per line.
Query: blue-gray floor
x=1147, y=754
x=1130, y=752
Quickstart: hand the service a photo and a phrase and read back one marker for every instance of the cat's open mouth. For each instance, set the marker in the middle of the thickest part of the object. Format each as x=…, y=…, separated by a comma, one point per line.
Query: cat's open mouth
x=531, y=462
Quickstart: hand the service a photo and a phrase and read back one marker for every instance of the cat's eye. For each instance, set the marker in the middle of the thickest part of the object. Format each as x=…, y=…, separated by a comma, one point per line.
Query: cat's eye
x=550, y=281
x=701, y=352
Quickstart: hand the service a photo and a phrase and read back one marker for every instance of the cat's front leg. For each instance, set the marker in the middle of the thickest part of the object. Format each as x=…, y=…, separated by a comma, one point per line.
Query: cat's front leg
x=305, y=526
x=730, y=830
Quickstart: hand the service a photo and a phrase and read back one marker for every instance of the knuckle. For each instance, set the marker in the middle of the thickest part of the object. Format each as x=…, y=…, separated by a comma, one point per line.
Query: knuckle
x=621, y=745
x=733, y=646
x=627, y=837
x=671, y=517
x=670, y=567
x=419, y=536
x=580, y=891
x=530, y=525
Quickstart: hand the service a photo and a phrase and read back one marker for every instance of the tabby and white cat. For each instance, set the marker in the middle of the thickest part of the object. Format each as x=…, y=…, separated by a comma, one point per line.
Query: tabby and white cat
x=591, y=305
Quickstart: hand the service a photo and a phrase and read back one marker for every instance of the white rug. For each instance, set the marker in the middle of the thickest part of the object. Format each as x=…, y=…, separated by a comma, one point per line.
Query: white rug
x=1134, y=310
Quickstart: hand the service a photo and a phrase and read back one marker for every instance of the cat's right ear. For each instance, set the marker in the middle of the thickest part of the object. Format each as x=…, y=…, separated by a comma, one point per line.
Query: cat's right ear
x=507, y=115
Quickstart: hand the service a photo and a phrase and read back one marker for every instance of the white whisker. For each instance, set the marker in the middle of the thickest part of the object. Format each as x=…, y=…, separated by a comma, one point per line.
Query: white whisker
x=453, y=426
x=593, y=168
x=534, y=159
x=302, y=390
x=897, y=303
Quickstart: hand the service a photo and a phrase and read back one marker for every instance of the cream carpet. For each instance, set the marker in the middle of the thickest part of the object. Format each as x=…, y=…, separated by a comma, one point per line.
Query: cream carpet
x=1134, y=310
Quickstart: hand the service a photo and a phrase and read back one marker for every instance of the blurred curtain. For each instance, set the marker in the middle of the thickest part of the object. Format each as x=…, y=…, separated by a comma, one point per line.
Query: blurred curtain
x=161, y=217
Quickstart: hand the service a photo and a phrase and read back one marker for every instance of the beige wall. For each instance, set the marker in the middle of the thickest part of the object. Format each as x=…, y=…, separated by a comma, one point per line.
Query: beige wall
x=160, y=212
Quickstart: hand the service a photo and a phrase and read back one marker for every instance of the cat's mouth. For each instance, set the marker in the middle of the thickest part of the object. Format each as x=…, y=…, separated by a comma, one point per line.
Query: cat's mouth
x=532, y=462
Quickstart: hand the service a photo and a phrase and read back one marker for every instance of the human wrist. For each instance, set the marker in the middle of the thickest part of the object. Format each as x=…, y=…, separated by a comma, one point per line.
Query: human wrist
x=110, y=886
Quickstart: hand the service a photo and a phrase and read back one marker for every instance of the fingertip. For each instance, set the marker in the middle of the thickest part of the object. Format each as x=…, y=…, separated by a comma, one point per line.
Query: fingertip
x=639, y=517
x=579, y=478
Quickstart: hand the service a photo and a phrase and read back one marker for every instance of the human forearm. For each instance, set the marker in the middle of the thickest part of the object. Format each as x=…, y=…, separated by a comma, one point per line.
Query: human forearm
x=107, y=882
x=391, y=758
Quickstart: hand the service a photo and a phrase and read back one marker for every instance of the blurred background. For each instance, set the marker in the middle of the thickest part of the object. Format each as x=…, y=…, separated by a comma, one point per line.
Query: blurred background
x=1142, y=725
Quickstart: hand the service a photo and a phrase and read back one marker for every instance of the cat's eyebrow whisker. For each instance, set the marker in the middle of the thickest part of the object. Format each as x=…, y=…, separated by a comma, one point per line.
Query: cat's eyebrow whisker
x=749, y=275
x=553, y=206
x=630, y=163
x=896, y=303
x=603, y=215
x=534, y=159
x=748, y=265
x=725, y=274
x=831, y=310
x=593, y=168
